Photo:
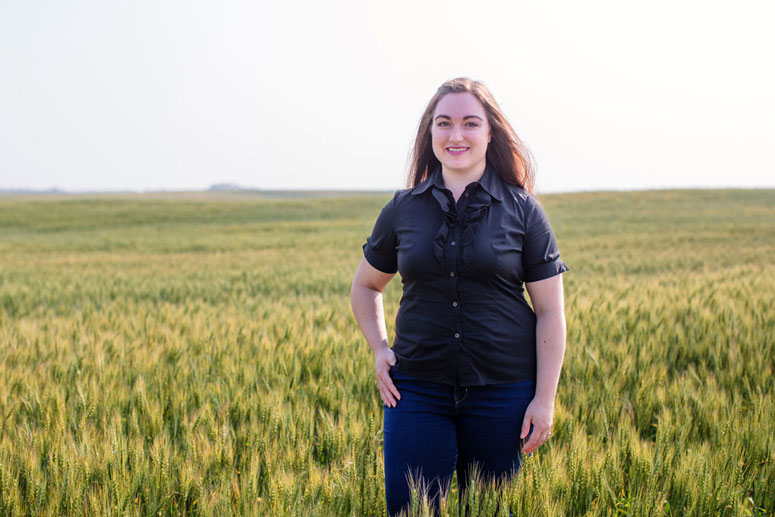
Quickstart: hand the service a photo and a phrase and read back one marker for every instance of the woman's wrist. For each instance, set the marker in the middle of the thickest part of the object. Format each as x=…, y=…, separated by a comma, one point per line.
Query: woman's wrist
x=544, y=399
x=380, y=348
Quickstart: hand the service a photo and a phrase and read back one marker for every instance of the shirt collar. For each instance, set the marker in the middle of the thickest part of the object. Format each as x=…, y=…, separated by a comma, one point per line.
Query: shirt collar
x=490, y=182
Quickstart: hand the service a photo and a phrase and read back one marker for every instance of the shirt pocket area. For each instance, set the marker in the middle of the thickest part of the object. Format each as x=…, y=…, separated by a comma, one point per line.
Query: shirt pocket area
x=508, y=257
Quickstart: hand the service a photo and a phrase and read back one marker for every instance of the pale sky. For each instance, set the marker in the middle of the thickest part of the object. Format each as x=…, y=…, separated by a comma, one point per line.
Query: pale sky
x=177, y=95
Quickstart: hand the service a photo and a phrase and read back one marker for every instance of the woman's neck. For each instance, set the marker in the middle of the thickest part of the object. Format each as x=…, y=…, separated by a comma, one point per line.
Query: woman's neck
x=457, y=182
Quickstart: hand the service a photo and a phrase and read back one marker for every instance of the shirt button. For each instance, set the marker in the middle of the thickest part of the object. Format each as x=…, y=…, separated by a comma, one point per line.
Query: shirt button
x=454, y=304
x=452, y=243
x=466, y=194
x=451, y=273
x=457, y=335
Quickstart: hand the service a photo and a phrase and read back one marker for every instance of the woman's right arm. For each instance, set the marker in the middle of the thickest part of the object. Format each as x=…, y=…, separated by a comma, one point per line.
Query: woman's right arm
x=366, y=303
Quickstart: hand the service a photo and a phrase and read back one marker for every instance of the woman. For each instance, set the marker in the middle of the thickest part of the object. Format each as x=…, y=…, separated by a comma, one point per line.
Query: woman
x=471, y=379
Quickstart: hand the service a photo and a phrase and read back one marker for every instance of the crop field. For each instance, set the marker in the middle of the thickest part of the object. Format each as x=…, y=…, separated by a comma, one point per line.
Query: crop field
x=196, y=355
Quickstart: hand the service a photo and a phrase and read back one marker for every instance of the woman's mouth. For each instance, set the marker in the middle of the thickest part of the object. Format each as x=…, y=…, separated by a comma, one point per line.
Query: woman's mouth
x=456, y=150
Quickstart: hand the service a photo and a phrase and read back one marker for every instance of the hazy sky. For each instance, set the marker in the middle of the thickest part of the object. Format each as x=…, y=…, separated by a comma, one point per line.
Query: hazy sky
x=182, y=94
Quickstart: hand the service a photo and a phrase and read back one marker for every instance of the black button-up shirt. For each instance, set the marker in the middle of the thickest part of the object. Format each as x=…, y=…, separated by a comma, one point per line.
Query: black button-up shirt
x=463, y=316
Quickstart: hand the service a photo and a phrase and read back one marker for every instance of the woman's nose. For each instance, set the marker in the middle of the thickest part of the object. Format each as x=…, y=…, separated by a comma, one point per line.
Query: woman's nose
x=456, y=134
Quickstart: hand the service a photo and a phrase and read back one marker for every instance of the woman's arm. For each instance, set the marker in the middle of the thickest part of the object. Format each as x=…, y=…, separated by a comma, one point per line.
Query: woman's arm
x=366, y=303
x=549, y=307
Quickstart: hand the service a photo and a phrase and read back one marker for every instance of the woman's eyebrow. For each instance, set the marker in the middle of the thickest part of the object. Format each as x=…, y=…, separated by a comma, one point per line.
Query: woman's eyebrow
x=464, y=118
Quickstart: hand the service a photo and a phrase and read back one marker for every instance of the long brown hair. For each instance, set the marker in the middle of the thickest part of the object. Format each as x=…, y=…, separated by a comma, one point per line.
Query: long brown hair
x=506, y=152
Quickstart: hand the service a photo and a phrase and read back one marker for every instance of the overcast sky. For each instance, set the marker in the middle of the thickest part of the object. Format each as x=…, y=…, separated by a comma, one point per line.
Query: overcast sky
x=147, y=95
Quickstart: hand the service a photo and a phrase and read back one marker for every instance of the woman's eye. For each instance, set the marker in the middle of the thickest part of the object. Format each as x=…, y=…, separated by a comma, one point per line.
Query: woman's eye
x=472, y=124
x=443, y=124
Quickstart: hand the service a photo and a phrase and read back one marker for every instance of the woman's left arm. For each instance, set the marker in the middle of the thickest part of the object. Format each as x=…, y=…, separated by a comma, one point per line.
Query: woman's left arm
x=547, y=298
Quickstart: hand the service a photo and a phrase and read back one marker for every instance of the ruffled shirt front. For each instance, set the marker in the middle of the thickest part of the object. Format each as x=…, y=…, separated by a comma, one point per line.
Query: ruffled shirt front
x=473, y=211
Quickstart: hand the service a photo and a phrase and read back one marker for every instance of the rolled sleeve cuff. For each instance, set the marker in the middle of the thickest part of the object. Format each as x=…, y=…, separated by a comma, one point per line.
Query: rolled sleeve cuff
x=377, y=261
x=547, y=270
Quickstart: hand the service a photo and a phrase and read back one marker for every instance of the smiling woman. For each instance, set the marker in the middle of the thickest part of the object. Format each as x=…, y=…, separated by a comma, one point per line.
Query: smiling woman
x=473, y=370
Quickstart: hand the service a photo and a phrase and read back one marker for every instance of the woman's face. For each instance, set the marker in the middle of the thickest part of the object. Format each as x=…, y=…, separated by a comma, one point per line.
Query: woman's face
x=460, y=134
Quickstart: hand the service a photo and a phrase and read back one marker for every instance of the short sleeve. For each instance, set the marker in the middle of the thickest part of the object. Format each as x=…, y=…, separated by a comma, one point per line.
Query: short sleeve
x=540, y=256
x=380, y=247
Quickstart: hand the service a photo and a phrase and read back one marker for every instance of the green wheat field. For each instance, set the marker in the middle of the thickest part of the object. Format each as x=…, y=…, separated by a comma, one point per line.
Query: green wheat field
x=196, y=355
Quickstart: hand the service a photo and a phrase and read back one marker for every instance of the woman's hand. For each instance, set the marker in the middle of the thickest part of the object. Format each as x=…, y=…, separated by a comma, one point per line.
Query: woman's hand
x=541, y=415
x=384, y=358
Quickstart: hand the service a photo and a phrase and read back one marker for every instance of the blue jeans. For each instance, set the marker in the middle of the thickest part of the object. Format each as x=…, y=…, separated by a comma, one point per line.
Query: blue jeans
x=437, y=428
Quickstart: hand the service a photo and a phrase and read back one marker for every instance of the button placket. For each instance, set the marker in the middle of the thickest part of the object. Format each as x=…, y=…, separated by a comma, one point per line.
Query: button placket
x=454, y=252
